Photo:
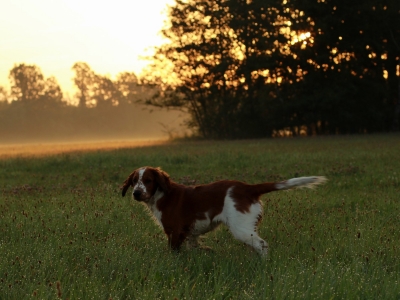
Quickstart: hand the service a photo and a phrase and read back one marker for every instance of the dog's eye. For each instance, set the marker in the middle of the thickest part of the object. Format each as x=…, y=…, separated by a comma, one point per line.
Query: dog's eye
x=147, y=181
x=134, y=180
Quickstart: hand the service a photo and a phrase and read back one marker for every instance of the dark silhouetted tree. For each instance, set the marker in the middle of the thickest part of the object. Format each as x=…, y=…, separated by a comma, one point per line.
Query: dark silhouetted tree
x=52, y=90
x=129, y=87
x=221, y=56
x=29, y=86
x=100, y=91
x=104, y=92
x=84, y=77
x=27, y=82
x=3, y=95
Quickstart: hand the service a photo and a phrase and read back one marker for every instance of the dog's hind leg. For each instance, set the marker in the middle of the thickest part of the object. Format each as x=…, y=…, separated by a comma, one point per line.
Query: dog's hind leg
x=243, y=226
x=250, y=237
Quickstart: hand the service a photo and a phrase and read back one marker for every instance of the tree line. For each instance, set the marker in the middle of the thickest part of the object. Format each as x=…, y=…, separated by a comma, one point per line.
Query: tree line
x=35, y=107
x=29, y=86
x=255, y=68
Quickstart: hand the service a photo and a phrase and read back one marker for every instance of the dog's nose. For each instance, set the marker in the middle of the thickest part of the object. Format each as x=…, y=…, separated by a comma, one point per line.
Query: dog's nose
x=136, y=194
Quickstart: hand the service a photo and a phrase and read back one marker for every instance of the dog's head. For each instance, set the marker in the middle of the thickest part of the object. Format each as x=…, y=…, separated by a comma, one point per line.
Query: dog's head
x=145, y=182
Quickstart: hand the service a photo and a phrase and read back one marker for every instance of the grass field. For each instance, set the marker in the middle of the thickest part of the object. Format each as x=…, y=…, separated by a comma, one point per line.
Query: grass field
x=65, y=231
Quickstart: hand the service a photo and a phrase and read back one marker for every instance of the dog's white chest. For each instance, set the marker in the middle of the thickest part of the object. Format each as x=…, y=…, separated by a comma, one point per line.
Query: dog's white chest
x=157, y=215
x=152, y=206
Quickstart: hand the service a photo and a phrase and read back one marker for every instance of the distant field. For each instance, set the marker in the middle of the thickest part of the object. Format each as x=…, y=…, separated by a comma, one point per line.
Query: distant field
x=65, y=231
x=50, y=148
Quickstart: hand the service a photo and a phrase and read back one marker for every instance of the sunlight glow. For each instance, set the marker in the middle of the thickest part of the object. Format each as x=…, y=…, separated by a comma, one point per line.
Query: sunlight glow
x=385, y=74
x=55, y=34
x=303, y=37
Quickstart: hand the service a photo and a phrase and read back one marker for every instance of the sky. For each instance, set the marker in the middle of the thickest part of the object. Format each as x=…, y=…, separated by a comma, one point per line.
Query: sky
x=54, y=34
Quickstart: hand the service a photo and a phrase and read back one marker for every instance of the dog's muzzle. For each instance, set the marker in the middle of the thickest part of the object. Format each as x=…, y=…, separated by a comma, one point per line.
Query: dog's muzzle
x=137, y=194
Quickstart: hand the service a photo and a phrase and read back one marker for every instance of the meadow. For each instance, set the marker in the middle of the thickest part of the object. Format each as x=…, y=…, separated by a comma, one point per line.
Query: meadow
x=66, y=232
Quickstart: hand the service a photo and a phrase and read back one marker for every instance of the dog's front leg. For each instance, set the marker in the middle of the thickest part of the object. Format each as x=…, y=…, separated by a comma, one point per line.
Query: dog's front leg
x=175, y=240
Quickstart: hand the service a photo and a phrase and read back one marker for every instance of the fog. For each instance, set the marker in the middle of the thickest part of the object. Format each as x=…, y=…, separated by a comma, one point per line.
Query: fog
x=49, y=148
x=27, y=125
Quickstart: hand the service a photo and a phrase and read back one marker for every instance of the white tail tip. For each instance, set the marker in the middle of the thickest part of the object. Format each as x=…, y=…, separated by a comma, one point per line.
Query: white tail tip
x=300, y=182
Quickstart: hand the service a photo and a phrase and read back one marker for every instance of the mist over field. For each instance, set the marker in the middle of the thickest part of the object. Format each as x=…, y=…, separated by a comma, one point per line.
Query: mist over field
x=73, y=125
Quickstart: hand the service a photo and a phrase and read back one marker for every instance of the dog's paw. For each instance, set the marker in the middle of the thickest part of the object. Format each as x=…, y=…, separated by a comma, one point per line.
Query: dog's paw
x=206, y=248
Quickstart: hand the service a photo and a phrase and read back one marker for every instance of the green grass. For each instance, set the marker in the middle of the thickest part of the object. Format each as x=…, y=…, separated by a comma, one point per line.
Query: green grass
x=63, y=223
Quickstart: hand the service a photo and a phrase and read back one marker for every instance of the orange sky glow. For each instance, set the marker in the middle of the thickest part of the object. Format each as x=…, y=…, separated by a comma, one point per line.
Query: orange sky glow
x=54, y=34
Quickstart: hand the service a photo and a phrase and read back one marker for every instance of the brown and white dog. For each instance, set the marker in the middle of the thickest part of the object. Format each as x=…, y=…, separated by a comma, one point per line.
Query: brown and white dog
x=186, y=212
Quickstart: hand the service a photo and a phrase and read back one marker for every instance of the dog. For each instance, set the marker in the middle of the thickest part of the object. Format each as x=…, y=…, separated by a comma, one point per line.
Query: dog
x=187, y=212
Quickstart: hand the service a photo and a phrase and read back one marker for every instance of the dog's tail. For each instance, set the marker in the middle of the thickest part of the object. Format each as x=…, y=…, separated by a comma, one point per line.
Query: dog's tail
x=299, y=182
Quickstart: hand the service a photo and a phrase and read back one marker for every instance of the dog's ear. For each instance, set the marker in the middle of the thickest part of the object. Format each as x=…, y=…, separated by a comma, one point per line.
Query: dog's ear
x=127, y=183
x=162, y=179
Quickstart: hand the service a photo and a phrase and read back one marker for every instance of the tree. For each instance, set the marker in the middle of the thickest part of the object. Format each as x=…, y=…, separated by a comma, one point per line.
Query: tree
x=263, y=32
x=27, y=82
x=29, y=86
x=52, y=90
x=3, y=95
x=219, y=59
x=100, y=91
x=104, y=91
x=198, y=29
x=128, y=86
x=83, y=80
